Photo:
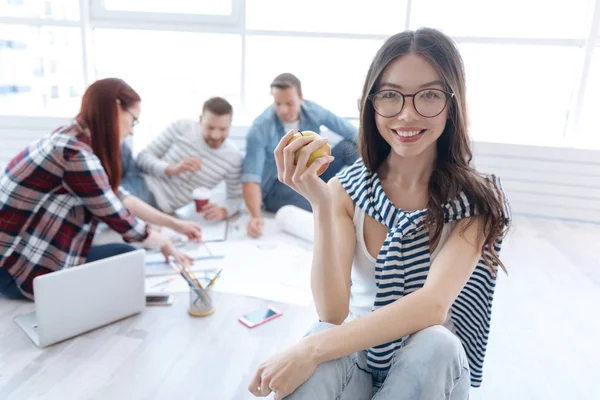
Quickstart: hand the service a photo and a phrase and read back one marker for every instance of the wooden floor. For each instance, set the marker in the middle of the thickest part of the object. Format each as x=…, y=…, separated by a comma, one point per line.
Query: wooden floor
x=545, y=341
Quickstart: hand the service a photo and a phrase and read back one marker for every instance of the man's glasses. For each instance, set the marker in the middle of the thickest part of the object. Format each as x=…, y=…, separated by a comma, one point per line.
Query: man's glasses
x=428, y=103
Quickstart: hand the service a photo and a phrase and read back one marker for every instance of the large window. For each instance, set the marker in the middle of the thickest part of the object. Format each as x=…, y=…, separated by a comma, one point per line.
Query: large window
x=532, y=65
x=40, y=70
x=520, y=94
x=332, y=16
x=588, y=136
x=206, y=65
x=332, y=71
x=179, y=13
x=201, y=7
x=504, y=18
x=46, y=9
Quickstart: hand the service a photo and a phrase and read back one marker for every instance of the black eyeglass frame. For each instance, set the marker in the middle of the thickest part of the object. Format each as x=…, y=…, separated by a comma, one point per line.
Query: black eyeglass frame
x=449, y=96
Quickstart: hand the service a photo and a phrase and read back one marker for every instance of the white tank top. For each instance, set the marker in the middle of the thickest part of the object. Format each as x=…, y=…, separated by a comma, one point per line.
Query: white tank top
x=363, y=288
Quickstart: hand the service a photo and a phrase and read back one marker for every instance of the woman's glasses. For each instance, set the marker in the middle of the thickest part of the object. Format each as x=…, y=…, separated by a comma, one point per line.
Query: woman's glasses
x=428, y=103
x=135, y=119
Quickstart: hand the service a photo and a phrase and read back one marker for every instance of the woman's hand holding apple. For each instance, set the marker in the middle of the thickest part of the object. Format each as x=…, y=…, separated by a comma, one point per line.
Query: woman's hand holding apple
x=300, y=159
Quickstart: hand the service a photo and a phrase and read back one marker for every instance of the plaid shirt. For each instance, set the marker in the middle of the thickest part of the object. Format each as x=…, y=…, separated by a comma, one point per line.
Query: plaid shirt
x=52, y=196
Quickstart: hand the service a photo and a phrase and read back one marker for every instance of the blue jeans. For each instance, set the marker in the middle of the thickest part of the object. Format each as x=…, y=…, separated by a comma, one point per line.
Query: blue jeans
x=282, y=195
x=9, y=288
x=432, y=364
x=107, y=250
x=345, y=153
x=132, y=179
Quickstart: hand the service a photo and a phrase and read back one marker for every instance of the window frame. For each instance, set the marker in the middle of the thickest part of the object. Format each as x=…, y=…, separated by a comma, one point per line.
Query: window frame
x=99, y=13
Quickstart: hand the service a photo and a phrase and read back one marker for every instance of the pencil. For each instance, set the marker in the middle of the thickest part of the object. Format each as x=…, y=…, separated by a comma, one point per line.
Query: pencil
x=212, y=281
x=207, y=249
x=199, y=291
x=162, y=283
x=192, y=278
x=188, y=270
x=195, y=281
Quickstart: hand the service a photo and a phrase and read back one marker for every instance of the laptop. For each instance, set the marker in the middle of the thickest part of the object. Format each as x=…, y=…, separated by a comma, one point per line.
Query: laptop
x=75, y=300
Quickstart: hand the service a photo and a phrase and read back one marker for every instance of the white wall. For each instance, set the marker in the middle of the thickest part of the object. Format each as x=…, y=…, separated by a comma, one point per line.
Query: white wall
x=18, y=132
x=545, y=181
x=540, y=181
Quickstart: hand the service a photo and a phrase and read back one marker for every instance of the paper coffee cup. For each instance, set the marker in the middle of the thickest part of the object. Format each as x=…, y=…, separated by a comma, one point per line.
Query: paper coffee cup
x=201, y=197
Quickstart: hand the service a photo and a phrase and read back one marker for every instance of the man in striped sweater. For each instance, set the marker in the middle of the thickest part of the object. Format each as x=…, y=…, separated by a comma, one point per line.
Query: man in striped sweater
x=187, y=155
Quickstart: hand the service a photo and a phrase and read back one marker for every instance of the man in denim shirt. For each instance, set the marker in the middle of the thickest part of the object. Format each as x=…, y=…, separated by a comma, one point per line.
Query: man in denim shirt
x=259, y=172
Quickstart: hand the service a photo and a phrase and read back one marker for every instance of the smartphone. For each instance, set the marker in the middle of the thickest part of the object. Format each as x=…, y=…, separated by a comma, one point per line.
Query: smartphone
x=259, y=317
x=160, y=300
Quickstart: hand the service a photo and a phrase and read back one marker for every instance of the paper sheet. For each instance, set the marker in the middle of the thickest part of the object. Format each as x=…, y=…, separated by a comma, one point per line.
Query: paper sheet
x=212, y=231
x=169, y=284
x=264, y=269
x=206, y=260
x=275, y=267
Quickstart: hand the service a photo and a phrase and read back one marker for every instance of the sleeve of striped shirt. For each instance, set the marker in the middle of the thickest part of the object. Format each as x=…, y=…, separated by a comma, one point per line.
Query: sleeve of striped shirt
x=85, y=178
x=150, y=159
x=233, y=181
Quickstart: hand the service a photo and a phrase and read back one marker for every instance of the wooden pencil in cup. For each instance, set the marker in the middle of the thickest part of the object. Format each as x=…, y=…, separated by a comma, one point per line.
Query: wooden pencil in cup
x=193, y=286
x=196, y=282
x=188, y=269
x=212, y=281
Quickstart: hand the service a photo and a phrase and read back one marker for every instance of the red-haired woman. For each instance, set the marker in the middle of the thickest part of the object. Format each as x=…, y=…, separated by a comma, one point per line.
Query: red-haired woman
x=54, y=193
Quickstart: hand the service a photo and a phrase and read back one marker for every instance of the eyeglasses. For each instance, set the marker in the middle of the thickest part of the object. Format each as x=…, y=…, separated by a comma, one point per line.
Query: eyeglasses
x=428, y=103
x=135, y=119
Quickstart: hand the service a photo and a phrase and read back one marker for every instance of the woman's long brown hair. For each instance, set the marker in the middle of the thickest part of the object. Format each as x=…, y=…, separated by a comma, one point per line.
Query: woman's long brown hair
x=453, y=171
x=99, y=114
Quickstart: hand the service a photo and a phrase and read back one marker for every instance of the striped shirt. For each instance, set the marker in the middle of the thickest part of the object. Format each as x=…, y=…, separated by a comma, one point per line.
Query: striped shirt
x=183, y=139
x=404, y=260
x=52, y=196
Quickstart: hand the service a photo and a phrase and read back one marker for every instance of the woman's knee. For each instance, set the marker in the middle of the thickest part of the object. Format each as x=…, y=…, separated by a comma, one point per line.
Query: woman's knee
x=319, y=327
x=437, y=342
x=328, y=381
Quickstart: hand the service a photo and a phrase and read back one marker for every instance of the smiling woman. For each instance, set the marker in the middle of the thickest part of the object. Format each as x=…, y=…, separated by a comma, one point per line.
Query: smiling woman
x=428, y=101
x=411, y=233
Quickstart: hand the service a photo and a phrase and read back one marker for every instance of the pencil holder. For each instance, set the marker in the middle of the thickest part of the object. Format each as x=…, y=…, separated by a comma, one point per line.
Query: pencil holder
x=201, y=304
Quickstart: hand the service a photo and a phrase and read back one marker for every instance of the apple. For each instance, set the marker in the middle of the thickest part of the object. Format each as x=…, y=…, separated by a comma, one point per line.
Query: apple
x=322, y=151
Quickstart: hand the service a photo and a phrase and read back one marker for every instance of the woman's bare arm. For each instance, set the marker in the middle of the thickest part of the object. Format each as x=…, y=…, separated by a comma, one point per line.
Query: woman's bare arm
x=335, y=241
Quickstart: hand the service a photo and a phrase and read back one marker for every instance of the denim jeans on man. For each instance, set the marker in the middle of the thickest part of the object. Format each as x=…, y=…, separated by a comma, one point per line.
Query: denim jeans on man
x=266, y=132
x=131, y=177
x=9, y=288
x=431, y=365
